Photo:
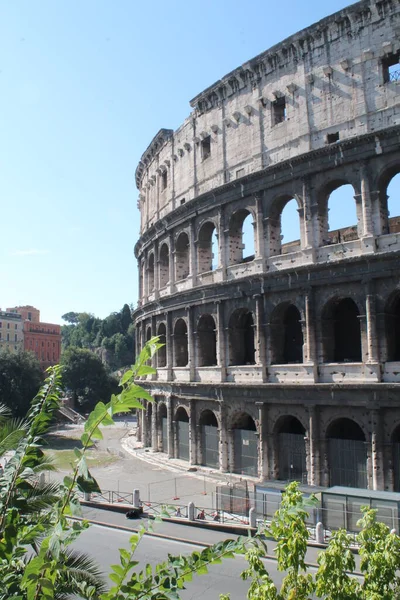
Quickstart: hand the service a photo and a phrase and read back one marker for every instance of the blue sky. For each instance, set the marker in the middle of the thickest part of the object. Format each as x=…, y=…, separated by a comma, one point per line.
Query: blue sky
x=85, y=85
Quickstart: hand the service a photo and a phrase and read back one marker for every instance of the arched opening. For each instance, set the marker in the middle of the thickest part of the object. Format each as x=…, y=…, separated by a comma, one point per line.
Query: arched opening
x=241, y=338
x=396, y=459
x=291, y=446
x=347, y=454
x=162, y=352
x=182, y=430
x=209, y=437
x=180, y=344
x=150, y=273
x=182, y=262
x=206, y=341
x=164, y=265
x=338, y=214
x=393, y=204
x=286, y=335
x=392, y=322
x=284, y=233
x=148, y=334
x=245, y=445
x=207, y=248
x=341, y=332
x=241, y=237
x=163, y=419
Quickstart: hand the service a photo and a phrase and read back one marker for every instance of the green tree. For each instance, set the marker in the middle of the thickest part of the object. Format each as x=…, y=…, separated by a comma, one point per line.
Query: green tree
x=86, y=377
x=20, y=378
x=126, y=318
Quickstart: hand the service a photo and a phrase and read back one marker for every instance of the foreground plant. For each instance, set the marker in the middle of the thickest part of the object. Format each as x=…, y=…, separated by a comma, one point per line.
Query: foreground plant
x=36, y=531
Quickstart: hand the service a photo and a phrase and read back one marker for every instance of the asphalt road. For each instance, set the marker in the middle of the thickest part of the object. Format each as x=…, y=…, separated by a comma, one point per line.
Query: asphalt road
x=103, y=544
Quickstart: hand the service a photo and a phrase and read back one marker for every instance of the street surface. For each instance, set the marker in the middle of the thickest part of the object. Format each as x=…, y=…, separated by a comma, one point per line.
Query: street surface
x=103, y=544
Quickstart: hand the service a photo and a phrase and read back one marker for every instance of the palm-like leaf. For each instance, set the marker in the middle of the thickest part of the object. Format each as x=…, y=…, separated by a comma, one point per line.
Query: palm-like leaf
x=80, y=568
x=12, y=431
x=5, y=412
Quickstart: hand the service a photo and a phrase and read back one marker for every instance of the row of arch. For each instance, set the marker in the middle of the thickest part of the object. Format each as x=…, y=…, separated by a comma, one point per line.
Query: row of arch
x=345, y=443
x=340, y=327
x=285, y=231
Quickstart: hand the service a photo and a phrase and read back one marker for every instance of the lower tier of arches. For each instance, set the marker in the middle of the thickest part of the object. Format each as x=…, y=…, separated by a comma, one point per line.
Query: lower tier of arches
x=314, y=444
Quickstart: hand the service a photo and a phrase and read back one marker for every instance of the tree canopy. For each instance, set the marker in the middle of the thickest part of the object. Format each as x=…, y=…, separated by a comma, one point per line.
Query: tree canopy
x=20, y=379
x=111, y=338
x=86, y=378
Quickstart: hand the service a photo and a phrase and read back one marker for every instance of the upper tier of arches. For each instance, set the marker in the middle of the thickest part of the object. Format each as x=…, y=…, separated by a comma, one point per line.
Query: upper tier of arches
x=351, y=211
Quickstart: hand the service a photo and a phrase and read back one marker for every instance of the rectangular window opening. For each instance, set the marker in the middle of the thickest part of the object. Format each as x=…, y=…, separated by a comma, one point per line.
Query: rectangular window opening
x=391, y=68
x=206, y=147
x=331, y=138
x=279, y=110
x=164, y=180
x=183, y=201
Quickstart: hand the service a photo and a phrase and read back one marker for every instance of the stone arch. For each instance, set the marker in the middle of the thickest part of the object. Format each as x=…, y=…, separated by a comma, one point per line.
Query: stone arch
x=395, y=439
x=181, y=353
x=148, y=334
x=389, y=198
x=163, y=426
x=150, y=273
x=207, y=248
x=241, y=338
x=182, y=433
x=290, y=449
x=164, y=265
x=245, y=444
x=182, y=258
x=206, y=341
x=279, y=228
x=347, y=453
x=331, y=199
x=392, y=327
x=162, y=352
x=286, y=334
x=341, y=331
x=237, y=252
x=209, y=438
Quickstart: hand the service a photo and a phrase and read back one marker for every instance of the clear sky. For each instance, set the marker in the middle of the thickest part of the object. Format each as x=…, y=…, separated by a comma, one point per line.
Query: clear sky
x=85, y=85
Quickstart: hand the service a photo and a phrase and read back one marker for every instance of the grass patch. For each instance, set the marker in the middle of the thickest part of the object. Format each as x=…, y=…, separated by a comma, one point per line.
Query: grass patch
x=63, y=459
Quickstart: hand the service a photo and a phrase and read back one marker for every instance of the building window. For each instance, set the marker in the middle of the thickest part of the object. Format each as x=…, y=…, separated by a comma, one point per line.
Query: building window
x=331, y=138
x=8, y=325
x=391, y=68
x=164, y=180
x=8, y=337
x=16, y=326
x=1, y=324
x=206, y=147
x=183, y=201
x=279, y=110
x=0, y=335
x=15, y=338
x=29, y=316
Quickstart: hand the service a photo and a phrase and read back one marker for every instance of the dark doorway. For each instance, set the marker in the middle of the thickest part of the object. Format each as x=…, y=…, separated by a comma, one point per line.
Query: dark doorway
x=347, y=454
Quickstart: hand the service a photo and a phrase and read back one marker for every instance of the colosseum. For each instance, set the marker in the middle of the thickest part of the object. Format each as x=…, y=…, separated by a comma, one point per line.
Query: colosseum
x=282, y=357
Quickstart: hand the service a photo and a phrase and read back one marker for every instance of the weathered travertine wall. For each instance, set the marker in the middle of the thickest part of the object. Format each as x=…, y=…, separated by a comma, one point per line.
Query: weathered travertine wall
x=286, y=363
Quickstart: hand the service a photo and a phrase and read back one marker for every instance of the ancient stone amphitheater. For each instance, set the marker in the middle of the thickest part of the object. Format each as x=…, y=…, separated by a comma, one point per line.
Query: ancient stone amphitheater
x=283, y=364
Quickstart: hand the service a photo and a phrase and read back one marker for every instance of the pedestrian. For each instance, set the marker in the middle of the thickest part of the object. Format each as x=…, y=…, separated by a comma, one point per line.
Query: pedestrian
x=216, y=516
x=178, y=512
x=201, y=516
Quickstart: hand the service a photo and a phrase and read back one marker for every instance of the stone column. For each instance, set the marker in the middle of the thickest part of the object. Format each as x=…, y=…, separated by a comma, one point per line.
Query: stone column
x=367, y=227
x=143, y=323
x=144, y=426
x=223, y=439
x=154, y=430
x=223, y=239
x=372, y=362
x=153, y=334
x=221, y=350
x=169, y=336
x=260, y=241
x=171, y=262
x=171, y=440
x=313, y=447
x=156, y=271
x=310, y=354
x=193, y=253
x=192, y=434
x=144, y=277
x=260, y=336
x=308, y=228
x=263, y=450
x=140, y=273
x=191, y=344
x=377, y=451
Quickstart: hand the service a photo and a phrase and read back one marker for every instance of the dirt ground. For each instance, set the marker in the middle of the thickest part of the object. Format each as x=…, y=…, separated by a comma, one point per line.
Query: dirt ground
x=117, y=470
